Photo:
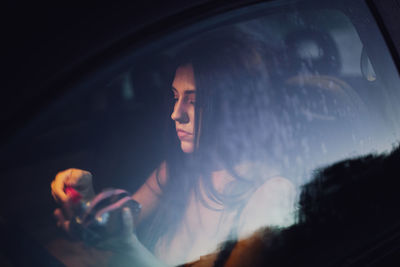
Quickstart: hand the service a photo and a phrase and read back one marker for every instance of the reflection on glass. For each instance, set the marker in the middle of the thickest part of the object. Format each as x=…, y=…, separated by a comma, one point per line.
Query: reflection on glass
x=255, y=108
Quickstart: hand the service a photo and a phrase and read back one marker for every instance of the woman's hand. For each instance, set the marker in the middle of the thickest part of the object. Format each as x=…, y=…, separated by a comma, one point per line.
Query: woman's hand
x=79, y=180
x=125, y=240
x=128, y=250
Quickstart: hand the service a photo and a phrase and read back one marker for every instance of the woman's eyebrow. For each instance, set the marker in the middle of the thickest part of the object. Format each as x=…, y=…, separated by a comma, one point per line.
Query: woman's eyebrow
x=188, y=92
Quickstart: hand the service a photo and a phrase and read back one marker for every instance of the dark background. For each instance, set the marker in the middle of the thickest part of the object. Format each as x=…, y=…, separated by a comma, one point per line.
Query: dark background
x=42, y=40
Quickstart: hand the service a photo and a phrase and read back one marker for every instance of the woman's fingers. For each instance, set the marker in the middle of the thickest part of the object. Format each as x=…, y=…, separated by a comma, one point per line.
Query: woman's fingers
x=58, y=184
x=57, y=191
x=127, y=221
x=124, y=240
x=79, y=179
x=61, y=221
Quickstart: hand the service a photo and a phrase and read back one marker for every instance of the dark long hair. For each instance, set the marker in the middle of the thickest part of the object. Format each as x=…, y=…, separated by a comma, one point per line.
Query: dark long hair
x=234, y=74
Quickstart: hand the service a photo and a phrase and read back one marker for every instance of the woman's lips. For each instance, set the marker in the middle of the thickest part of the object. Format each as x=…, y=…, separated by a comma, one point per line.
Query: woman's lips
x=183, y=135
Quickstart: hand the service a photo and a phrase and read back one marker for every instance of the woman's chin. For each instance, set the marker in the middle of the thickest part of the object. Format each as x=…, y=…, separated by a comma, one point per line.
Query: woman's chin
x=187, y=147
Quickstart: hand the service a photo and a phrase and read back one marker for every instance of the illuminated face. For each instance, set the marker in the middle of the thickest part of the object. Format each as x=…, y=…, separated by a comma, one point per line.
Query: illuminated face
x=184, y=89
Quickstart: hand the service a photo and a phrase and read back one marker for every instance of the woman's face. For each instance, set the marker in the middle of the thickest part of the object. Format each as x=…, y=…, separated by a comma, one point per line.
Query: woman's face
x=184, y=90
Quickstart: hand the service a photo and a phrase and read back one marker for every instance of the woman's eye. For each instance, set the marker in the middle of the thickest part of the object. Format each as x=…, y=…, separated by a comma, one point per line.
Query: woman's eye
x=191, y=100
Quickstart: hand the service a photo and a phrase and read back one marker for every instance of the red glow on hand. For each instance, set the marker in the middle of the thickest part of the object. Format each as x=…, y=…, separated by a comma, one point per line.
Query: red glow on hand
x=74, y=195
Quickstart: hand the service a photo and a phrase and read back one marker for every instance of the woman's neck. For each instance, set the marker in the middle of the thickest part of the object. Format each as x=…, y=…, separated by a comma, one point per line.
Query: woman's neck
x=253, y=172
x=220, y=179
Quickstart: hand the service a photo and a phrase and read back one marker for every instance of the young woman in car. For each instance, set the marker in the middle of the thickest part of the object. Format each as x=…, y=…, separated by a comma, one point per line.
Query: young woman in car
x=221, y=182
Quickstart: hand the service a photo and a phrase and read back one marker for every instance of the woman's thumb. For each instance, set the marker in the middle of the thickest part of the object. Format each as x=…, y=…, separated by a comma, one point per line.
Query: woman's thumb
x=127, y=221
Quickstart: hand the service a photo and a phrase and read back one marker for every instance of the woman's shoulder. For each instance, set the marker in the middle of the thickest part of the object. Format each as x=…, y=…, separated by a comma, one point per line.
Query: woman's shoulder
x=272, y=203
x=274, y=193
x=274, y=185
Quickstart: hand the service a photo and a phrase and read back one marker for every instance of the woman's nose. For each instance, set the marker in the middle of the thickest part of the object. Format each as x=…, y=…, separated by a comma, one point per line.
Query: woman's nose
x=179, y=114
